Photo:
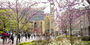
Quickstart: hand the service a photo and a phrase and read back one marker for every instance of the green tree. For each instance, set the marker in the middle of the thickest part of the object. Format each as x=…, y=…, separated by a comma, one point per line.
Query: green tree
x=7, y=20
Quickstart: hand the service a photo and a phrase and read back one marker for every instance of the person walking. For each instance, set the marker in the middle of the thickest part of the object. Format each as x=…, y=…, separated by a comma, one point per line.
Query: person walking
x=26, y=35
x=29, y=35
x=22, y=36
x=4, y=36
x=19, y=36
x=9, y=37
x=12, y=38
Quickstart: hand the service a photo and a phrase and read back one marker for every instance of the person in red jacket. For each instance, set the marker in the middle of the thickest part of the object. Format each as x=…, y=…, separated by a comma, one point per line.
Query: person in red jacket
x=4, y=36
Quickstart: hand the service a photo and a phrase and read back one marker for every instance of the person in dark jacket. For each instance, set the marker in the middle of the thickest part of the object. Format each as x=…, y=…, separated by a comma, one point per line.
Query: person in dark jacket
x=12, y=38
x=26, y=35
x=4, y=36
x=29, y=35
x=19, y=36
x=9, y=37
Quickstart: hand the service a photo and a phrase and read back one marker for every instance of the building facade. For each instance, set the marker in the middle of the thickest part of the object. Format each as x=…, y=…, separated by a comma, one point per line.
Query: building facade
x=79, y=23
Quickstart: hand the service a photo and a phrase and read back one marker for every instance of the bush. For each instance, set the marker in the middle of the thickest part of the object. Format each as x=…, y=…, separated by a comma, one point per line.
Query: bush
x=1, y=32
x=68, y=37
x=62, y=40
x=86, y=38
x=36, y=42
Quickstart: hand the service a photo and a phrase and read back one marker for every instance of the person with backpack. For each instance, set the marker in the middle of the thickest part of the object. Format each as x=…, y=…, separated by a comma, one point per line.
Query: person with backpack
x=4, y=36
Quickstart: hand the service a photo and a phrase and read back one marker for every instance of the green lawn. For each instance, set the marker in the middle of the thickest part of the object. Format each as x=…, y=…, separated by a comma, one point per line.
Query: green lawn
x=37, y=42
x=86, y=42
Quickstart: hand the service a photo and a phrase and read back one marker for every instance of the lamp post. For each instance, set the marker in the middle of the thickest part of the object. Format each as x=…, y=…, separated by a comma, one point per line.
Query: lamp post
x=88, y=15
x=52, y=16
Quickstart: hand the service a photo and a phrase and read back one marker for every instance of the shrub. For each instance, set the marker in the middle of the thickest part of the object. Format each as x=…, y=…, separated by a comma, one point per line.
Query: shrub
x=86, y=38
x=36, y=42
x=62, y=40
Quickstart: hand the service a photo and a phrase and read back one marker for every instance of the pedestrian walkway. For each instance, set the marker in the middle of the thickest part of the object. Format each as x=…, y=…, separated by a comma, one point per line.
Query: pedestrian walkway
x=22, y=40
x=6, y=43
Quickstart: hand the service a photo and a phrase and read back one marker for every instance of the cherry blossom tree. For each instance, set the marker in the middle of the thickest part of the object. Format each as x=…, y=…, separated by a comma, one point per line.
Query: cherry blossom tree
x=69, y=6
x=22, y=11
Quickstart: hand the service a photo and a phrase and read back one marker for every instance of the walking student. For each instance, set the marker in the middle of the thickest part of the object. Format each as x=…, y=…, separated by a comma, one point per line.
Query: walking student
x=29, y=35
x=4, y=36
x=26, y=35
x=19, y=37
x=12, y=38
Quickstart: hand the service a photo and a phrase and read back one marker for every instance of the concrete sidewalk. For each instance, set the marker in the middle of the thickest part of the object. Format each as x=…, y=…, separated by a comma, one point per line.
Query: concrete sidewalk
x=22, y=40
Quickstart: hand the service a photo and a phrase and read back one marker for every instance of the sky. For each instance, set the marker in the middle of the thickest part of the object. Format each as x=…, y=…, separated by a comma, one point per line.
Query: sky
x=47, y=5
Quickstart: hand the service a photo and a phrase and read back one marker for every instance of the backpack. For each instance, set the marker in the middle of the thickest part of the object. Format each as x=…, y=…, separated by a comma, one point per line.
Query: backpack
x=2, y=36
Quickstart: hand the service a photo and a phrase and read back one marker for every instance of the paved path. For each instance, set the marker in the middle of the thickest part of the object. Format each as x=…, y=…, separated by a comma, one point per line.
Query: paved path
x=22, y=40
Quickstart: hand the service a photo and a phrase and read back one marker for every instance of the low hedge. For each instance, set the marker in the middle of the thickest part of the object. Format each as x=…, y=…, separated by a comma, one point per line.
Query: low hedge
x=68, y=37
x=86, y=38
x=36, y=42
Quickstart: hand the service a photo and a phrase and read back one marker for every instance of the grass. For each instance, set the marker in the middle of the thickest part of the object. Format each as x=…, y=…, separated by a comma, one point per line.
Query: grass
x=26, y=43
x=36, y=42
x=86, y=42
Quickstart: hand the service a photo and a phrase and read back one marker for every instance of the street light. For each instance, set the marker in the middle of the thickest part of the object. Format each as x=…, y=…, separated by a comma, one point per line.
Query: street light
x=88, y=15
